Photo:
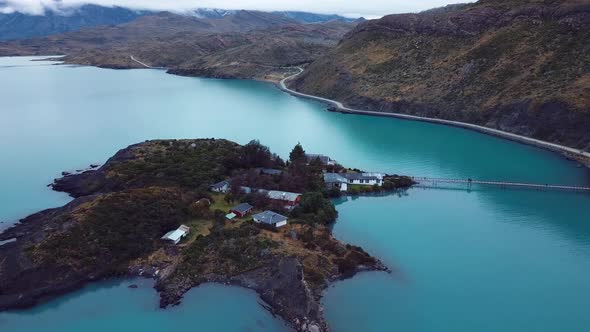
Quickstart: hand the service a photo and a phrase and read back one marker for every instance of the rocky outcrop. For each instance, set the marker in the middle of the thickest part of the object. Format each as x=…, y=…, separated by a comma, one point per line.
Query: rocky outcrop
x=280, y=284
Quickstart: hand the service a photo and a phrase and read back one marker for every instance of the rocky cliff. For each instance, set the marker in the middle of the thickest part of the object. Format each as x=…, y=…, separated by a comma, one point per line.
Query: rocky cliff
x=522, y=66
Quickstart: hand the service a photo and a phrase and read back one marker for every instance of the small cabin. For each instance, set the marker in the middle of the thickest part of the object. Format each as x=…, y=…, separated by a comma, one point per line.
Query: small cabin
x=290, y=199
x=270, y=218
x=220, y=187
x=176, y=235
x=242, y=210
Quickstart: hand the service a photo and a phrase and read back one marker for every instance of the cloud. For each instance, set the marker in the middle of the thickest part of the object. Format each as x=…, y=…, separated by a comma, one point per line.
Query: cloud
x=367, y=8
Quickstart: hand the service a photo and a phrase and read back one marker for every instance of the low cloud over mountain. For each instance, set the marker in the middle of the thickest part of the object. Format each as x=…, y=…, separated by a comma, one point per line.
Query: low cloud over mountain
x=350, y=8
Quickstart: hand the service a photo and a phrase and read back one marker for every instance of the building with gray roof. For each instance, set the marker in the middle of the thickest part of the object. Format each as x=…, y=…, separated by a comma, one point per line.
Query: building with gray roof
x=270, y=218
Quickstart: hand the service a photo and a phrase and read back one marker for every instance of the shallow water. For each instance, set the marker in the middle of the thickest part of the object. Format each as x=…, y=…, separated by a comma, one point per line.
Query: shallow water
x=113, y=306
x=481, y=260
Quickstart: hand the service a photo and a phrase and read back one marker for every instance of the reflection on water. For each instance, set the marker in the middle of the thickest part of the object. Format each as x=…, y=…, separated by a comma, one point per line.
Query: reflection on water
x=485, y=260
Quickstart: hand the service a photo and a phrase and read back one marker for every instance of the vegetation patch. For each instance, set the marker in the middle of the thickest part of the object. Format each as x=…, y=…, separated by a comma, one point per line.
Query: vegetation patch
x=113, y=229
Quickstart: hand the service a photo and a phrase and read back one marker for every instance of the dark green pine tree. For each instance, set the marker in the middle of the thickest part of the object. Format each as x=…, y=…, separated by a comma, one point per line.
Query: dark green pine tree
x=297, y=155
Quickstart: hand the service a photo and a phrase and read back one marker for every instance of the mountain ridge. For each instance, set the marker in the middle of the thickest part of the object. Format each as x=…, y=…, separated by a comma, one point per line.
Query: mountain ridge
x=17, y=25
x=241, y=45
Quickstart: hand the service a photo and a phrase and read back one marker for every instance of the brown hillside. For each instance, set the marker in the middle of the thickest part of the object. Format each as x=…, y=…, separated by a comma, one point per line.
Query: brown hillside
x=520, y=66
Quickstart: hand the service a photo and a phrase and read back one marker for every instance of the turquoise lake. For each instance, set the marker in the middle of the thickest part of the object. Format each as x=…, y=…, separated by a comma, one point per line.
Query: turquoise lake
x=480, y=260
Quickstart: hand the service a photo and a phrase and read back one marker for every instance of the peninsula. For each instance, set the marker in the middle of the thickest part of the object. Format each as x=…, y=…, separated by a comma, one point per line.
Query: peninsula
x=186, y=212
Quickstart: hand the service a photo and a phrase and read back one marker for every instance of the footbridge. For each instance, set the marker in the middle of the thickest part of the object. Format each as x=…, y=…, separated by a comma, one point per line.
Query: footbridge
x=502, y=184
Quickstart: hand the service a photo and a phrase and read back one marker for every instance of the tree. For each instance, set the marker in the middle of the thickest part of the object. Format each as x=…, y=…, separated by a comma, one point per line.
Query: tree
x=315, y=208
x=278, y=161
x=297, y=155
x=257, y=155
x=316, y=166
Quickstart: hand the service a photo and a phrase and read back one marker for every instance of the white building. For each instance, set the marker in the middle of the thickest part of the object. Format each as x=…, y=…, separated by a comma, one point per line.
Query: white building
x=176, y=235
x=366, y=179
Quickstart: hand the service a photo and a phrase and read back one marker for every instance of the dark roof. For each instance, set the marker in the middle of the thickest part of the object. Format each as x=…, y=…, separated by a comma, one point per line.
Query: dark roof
x=359, y=176
x=282, y=195
x=323, y=159
x=270, y=217
x=334, y=178
x=219, y=184
x=271, y=171
x=242, y=208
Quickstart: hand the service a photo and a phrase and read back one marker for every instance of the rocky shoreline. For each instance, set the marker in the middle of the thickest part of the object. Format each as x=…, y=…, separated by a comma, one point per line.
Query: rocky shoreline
x=569, y=153
x=280, y=285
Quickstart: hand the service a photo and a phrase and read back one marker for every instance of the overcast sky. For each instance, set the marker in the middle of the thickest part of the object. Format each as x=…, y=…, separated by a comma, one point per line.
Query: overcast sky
x=353, y=8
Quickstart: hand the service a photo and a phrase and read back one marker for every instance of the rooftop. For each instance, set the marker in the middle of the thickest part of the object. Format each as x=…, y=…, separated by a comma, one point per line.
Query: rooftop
x=283, y=195
x=271, y=171
x=269, y=217
x=334, y=178
x=324, y=159
x=243, y=208
x=359, y=176
x=176, y=234
x=219, y=184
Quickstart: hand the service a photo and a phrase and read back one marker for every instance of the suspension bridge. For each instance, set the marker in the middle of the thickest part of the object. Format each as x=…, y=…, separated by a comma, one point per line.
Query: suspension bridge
x=502, y=184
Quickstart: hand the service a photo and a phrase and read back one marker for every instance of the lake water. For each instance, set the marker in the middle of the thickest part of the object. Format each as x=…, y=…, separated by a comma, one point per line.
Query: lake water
x=480, y=260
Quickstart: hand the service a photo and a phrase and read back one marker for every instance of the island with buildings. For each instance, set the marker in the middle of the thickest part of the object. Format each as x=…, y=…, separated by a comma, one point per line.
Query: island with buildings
x=187, y=212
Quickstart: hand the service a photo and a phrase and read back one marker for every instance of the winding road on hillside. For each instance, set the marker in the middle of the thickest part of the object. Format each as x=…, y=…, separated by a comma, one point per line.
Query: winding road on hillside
x=144, y=64
x=141, y=63
x=585, y=156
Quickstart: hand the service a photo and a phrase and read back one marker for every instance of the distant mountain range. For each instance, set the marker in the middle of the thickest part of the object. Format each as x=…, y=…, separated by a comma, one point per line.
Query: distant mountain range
x=214, y=43
x=21, y=26
x=305, y=17
x=302, y=17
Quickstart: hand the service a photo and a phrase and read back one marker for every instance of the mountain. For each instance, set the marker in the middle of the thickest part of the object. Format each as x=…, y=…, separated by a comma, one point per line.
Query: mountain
x=63, y=19
x=211, y=13
x=244, y=44
x=18, y=25
x=521, y=66
x=305, y=17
